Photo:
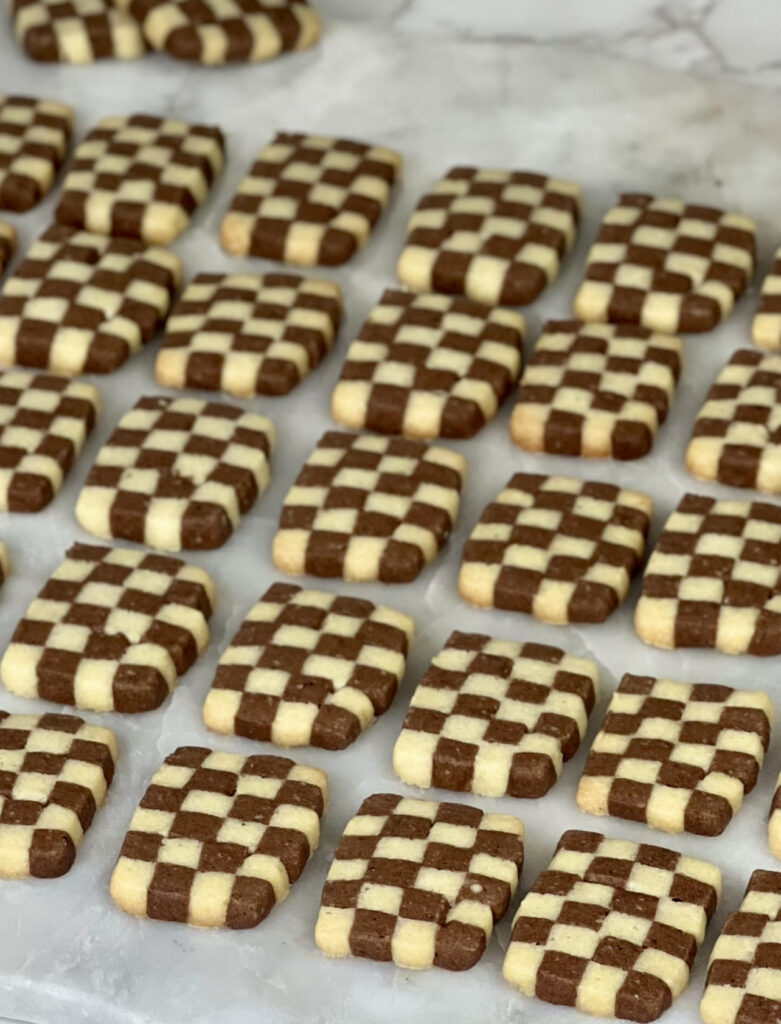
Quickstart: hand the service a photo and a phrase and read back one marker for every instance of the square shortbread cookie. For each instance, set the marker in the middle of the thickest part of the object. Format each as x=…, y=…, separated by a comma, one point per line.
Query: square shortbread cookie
x=34, y=136
x=224, y=31
x=44, y=422
x=714, y=578
x=612, y=927
x=495, y=718
x=111, y=630
x=429, y=366
x=737, y=435
x=7, y=244
x=75, y=31
x=766, y=325
x=495, y=236
x=744, y=974
x=678, y=756
x=369, y=508
x=309, y=667
x=218, y=839
x=310, y=199
x=83, y=303
x=55, y=771
x=177, y=473
x=140, y=177
x=248, y=334
x=419, y=883
x=667, y=265
x=556, y=547
x=596, y=390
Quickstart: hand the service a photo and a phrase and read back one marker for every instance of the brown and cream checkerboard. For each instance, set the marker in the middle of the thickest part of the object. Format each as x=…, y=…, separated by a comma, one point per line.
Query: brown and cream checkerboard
x=714, y=578
x=310, y=199
x=495, y=718
x=744, y=974
x=667, y=265
x=369, y=508
x=309, y=667
x=556, y=547
x=495, y=236
x=177, y=473
x=218, y=839
x=248, y=334
x=429, y=366
x=55, y=771
x=419, y=883
x=774, y=822
x=7, y=244
x=596, y=390
x=766, y=326
x=34, y=137
x=678, y=756
x=75, y=31
x=612, y=927
x=140, y=177
x=111, y=630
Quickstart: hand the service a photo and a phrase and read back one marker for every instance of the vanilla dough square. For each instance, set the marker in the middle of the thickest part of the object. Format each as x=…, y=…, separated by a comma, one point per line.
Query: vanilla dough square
x=34, y=136
x=75, y=31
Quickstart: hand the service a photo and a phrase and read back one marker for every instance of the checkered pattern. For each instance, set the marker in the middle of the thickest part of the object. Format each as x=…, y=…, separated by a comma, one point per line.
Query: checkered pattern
x=310, y=199
x=774, y=822
x=7, y=244
x=667, y=265
x=248, y=334
x=177, y=473
x=744, y=976
x=369, y=508
x=678, y=756
x=83, y=303
x=737, y=435
x=75, y=31
x=766, y=326
x=495, y=718
x=494, y=236
x=556, y=547
x=307, y=666
x=55, y=771
x=111, y=630
x=44, y=422
x=140, y=177
x=714, y=579
x=596, y=390
x=34, y=136
x=419, y=883
x=429, y=366
x=223, y=31
x=218, y=839
x=612, y=927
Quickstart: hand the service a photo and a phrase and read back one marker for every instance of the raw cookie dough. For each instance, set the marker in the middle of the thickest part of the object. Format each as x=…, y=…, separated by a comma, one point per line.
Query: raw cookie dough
x=34, y=136
x=766, y=326
x=75, y=31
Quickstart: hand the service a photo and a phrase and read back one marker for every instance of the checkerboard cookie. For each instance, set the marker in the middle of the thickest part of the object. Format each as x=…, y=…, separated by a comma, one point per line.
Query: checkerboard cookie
x=737, y=432
x=556, y=547
x=744, y=974
x=111, y=630
x=766, y=325
x=429, y=366
x=140, y=177
x=309, y=667
x=34, y=136
x=596, y=390
x=225, y=31
x=495, y=236
x=83, y=303
x=55, y=771
x=713, y=579
x=177, y=473
x=44, y=422
x=310, y=199
x=218, y=839
x=612, y=927
x=248, y=334
x=7, y=245
x=774, y=822
x=369, y=508
x=5, y=563
x=75, y=31
x=678, y=756
x=419, y=883
x=495, y=718
x=667, y=265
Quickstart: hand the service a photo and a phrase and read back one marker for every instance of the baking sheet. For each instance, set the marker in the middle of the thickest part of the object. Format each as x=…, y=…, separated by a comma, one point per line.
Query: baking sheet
x=65, y=952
